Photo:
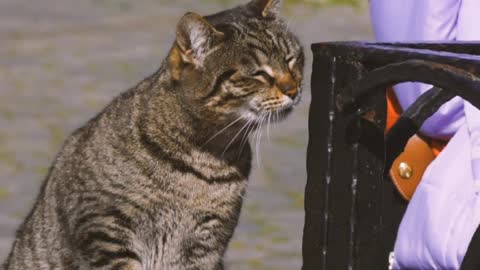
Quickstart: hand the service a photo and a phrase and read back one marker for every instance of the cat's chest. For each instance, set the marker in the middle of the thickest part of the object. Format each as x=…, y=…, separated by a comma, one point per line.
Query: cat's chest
x=202, y=221
x=191, y=194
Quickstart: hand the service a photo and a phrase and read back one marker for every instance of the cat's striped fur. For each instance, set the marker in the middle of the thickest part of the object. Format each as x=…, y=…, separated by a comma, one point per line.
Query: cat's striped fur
x=156, y=180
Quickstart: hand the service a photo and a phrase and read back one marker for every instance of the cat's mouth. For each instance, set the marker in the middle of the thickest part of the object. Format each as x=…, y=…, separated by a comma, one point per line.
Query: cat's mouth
x=270, y=114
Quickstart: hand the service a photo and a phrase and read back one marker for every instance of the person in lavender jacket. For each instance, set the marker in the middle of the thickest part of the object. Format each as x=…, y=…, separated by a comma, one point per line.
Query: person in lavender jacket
x=444, y=212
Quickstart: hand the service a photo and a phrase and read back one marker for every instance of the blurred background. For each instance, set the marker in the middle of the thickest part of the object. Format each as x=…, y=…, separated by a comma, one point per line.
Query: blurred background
x=62, y=61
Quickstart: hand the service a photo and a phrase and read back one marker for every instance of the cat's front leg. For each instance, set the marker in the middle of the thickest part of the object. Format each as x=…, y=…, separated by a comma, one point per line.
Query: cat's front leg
x=203, y=254
x=119, y=266
x=105, y=241
x=103, y=252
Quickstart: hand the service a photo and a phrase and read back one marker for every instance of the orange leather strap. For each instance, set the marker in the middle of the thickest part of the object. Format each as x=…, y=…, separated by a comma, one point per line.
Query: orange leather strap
x=408, y=169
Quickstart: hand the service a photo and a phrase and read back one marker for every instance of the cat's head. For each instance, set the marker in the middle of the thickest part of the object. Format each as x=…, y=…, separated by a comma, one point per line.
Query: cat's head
x=239, y=62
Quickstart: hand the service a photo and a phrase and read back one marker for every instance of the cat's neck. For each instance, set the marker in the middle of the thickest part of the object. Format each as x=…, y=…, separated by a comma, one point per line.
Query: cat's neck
x=168, y=120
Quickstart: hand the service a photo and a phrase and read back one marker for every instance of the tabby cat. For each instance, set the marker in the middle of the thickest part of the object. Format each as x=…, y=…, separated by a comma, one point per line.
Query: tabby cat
x=156, y=180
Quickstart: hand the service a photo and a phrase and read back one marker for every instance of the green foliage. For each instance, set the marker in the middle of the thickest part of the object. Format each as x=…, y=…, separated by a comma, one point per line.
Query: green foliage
x=238, y=245
x=4, y=193
x=7, y=114
x=41, y=170
x=255, y=263
x=57, y=135
x=297, y=199
x=280, y=239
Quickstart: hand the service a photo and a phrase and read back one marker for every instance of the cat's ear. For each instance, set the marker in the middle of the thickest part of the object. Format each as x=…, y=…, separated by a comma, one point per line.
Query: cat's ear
x=265, y=8
x=196, y=37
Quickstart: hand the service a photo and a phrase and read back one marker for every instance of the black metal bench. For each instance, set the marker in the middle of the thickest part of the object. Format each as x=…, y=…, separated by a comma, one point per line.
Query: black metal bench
x=352, y=209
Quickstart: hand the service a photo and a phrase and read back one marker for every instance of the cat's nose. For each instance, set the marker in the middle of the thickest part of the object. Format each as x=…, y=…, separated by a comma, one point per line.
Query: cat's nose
x=287, y=85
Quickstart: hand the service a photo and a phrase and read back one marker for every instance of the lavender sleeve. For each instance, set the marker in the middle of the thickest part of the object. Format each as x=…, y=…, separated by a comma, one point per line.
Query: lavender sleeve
x=467, y=21
x=425, y=20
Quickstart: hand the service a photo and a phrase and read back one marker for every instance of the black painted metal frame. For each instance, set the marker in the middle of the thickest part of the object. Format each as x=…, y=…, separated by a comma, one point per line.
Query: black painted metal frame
x=352, y=209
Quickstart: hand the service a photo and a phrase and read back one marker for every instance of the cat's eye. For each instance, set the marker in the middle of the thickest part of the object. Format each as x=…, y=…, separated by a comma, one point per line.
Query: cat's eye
x=264, y=75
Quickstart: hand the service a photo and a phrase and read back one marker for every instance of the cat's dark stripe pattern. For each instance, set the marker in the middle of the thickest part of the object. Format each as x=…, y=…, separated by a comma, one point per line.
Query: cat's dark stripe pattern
x=156, y=180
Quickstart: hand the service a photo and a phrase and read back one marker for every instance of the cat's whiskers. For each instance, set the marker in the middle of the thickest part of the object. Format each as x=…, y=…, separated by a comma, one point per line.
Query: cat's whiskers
x=248, y=131
x=268, y=126
x=254, y=131
x=258, y=136
x=236, y=135
x=264, y=123
x=257, y=129
x=257, y=151
x=223, y=129
x=289, y=24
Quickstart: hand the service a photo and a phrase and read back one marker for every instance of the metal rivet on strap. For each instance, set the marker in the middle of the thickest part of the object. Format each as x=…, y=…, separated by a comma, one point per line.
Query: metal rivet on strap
x=405, y=171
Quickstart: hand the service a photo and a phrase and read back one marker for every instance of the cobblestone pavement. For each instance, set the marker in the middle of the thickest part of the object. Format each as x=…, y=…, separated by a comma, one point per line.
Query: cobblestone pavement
x=61, y=61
